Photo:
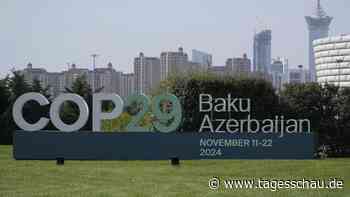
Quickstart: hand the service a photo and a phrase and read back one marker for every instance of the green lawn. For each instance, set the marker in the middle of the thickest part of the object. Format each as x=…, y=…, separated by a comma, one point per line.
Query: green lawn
x=158, y=178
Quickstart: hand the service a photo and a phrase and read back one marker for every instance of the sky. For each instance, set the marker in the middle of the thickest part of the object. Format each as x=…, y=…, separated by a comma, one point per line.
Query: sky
x=51, y=33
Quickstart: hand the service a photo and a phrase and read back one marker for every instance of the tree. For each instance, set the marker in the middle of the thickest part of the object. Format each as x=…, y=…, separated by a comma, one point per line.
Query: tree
x=5, y=95
x=37, y=87
x=344, y=113
x=264, y=101
x=16, y=86
x=81, y=87
x=118, y=124
x=70, y=112
x=316, y=102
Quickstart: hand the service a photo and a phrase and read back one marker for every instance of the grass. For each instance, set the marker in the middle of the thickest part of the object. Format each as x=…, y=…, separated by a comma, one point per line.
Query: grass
x=158, y=178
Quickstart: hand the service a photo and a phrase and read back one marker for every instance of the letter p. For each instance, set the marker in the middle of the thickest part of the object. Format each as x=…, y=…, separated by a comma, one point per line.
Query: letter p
x=98, y=115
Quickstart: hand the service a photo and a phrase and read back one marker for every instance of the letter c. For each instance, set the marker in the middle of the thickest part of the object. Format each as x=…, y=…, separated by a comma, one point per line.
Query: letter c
x=17, y=112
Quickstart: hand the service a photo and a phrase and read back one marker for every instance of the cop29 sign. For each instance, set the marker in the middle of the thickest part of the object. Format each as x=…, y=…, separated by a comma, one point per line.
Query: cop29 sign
x=231, y=139
x=169, y=101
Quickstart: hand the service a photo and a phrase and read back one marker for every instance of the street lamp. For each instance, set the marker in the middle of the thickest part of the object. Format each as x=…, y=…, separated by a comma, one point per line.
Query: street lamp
x=94, y=56
x=339, y=61
x=337, y=117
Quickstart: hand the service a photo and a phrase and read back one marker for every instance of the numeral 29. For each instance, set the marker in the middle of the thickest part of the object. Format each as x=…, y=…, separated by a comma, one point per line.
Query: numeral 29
x=166, y=113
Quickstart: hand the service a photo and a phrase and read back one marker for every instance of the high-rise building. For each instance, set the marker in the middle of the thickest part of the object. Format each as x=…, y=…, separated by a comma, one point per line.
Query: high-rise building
x=30, y=74
x=318, y=26
x=332, y=57
x=203, y=58
x=298, y=75
x=239, y=65
x=278, y=73
x=195, y=67
x=68, y=77
x=218, y=70
x=54, y=83
x=147, y=73
x=173, y=63
x=127, y=84
x=107, y=79
x=262, y=51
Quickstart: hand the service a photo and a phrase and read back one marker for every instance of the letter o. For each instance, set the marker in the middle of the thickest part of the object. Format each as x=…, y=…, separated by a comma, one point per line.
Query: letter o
x=55, y=112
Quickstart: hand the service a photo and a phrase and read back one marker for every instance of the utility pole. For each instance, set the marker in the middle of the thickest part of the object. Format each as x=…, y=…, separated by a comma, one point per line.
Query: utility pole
x=339, y=61
x=94, y=56
x=141, y=73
